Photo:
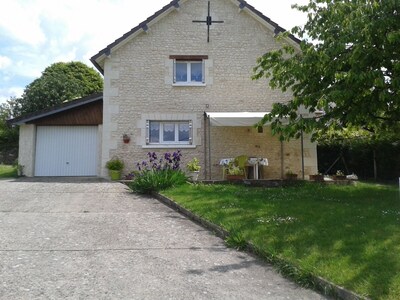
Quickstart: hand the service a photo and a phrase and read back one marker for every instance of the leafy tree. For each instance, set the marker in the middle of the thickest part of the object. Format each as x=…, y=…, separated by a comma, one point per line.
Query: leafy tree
x=59, y=82
x=347, y=66
x=8, y=135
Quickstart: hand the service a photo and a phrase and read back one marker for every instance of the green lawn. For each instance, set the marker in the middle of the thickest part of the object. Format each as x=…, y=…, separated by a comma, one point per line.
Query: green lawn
x=349, y=235
x=7, y=171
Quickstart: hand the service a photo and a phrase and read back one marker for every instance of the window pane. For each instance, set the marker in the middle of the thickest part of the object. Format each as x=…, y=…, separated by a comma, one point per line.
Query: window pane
x=169, y=132
x=181, y=72
x=154, y=132
x=197, y=72
x=184, y=132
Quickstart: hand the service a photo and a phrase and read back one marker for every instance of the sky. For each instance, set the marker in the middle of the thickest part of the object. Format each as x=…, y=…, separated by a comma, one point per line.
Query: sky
x=37, y=33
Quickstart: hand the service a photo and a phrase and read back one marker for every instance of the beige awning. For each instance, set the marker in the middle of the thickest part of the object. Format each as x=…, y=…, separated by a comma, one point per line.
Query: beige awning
x=235, y=118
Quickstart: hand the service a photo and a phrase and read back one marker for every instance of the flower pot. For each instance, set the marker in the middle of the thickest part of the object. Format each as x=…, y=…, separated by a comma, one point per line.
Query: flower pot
x=194, y=175
x=114, y=174
x=126, y=138
x=234, y=177
x=291, y=176
x=317, y=177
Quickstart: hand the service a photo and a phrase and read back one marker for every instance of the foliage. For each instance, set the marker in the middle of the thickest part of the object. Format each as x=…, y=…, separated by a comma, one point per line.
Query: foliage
x=157, y=180
x=194, y=165
x=158, y=173
x=348, y=67
x=115, y=164
x=7, y=171
x=354, y=137
x=348, y=235
x=58, y=83
x=8, y=134
x=234, y=169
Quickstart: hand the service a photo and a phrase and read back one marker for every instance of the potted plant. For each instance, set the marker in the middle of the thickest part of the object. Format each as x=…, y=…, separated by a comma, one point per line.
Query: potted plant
x=339, y=175
x=317, y=177
x=233, y=172
x=115, y=167
x=290, y=175
x=194, y=168
x=126, y=138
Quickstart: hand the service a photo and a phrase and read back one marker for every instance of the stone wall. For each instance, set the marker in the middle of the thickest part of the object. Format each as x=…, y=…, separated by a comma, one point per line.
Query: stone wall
x=27, y=143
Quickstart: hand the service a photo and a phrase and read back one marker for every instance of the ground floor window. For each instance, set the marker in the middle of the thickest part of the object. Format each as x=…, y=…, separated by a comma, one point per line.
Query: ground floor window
x=169, y=132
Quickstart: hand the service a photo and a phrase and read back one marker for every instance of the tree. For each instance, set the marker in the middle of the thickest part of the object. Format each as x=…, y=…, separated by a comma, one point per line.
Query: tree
x=8, y=135
x=347, y=66
x=59, y=82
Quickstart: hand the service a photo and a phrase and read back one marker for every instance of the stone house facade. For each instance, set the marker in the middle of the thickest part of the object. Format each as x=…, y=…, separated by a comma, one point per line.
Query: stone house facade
x=140, y=87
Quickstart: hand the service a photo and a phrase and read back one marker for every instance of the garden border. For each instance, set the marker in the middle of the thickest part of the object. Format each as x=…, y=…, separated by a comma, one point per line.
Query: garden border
x=320, y=284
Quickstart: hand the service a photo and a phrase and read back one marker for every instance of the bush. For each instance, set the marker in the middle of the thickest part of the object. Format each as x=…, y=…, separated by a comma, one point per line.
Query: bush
x=194, y=165
x=115, y=164
x=158, y=174
x=154, y=181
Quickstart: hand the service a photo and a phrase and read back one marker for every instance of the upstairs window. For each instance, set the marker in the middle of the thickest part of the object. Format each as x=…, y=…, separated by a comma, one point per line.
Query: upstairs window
x=189, y=70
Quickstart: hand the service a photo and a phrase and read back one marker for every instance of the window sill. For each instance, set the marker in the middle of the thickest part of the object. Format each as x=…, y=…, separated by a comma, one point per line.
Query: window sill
x=189, y=84
x=169, y=146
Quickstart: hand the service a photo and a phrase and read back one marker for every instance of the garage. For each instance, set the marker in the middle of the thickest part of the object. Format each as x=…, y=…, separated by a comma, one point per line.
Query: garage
x=66, y=151
x=64, y=140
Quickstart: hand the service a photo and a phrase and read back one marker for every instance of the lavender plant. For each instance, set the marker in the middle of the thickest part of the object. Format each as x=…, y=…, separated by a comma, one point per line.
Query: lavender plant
x=158, y=173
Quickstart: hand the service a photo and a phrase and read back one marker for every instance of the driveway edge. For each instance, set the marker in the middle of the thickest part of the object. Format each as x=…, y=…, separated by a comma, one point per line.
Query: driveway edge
x=320, y=284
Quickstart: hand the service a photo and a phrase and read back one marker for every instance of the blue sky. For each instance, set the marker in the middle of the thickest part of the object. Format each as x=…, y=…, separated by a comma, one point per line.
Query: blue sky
x=36, y=33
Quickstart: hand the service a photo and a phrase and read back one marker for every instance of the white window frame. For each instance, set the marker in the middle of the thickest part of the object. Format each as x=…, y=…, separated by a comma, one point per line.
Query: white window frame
x=189, y=72
x=188, y=60
x=161, y=129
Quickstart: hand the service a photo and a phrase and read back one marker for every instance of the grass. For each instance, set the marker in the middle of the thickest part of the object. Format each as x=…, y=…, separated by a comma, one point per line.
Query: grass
x=349, y=235
x=7, y=171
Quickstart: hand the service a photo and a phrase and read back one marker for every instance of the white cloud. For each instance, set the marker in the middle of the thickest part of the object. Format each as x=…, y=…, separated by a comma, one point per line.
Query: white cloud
x=20, y=20
x=6, y=94
x=5, y=62
x=67, y=56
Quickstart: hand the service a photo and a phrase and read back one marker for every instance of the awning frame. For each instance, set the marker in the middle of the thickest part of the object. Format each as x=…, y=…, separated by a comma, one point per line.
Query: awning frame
x=236, y=119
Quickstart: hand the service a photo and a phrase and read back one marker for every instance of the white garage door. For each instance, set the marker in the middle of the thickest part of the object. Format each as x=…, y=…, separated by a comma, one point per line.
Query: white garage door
x=66, y=151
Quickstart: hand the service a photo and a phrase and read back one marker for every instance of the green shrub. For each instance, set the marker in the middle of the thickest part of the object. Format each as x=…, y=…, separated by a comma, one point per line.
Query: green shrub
x=157, y=180
x=158, y=173
x=194, y=165
x=115, y=164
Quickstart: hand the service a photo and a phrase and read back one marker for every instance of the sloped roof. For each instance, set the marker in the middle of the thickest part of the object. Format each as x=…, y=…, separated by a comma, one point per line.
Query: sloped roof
x=56, y=109
x=143, y=27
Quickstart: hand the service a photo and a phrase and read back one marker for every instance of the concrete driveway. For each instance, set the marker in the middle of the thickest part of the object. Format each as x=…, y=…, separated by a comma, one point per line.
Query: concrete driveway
x=88, y=239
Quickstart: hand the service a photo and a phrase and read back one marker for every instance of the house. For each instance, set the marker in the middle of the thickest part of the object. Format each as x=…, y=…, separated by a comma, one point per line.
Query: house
x=179, y=80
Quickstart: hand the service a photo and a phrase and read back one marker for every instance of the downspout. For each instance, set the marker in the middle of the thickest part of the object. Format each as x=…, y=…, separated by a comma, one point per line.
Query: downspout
x=205, y=146
x=209, y=147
